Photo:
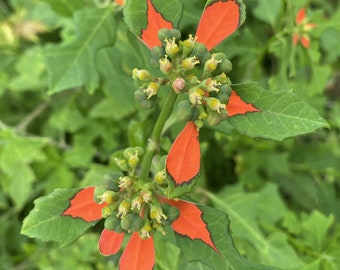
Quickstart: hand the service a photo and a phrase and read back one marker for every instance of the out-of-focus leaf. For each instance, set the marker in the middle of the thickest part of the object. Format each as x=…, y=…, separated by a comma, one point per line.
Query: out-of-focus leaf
x=74, y=64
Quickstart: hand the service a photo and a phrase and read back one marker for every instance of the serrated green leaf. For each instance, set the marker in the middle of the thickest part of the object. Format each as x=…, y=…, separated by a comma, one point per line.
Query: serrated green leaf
x=74, y=64
x=229, y=258
x=282, y=114
x=46, y=223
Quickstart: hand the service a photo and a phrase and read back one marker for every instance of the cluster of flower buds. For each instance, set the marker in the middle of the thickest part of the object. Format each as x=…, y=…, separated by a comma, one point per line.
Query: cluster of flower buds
x=191, y=70
x=131, y=205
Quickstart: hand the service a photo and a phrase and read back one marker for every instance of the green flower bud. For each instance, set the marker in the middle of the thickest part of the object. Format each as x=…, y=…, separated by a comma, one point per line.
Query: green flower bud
x=188, y=45
x=199, y=123
x=125, y=182
x=189, y=63
x=165, y=33
x=151, y=90
x=201, y=52
x=225, y=65
x=123, y=208
x=112, y=223
x=157, y=53
x=211, y=64
x=185, y=110
x=171, y=212
x=98, y=192
x=196, y=96
x=160, y=177
x=157, y=214
x=165, y=65
x=141, y=74
x=132, y=222
x=108, y=210
x=171, y=47
x=108, y=196
x=214, y=118
x=225, y=93
x=215, y=104
x=111, y=180
x=143, y=101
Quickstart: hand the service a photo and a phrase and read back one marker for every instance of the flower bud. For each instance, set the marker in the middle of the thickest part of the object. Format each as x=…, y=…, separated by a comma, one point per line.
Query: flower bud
x=215, y=118
x=141, y=74
x=144, y=102
x=146, y=195
x=185, y=110
x=112, y=223
x=189, y=63
x=132, y=222
x=225, y=65
x=98, y=192
x=188, y=45
x=122, y=164
x=212, y=85
x=145, y=232
x=178, y=85
x=108, y=210
x=225, y=93
x=123, y=208
x=160, y=177
x=157, y=53
x=171, y=212
x=199, y=123
x=136, y=203
x=157, y=214
x=111, y=180
x=108, y=196
x=166, y=33
x=171, y=47
x=125, y=182
x=151, y=90
x=195, y=96
x=165, y=65
x=211, y=64
x=201, y=52
x=215, y=104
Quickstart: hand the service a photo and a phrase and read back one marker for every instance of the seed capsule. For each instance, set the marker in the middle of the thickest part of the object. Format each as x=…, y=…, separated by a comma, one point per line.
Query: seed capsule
x=132, y=222
x=157, y=53
x=112, y=223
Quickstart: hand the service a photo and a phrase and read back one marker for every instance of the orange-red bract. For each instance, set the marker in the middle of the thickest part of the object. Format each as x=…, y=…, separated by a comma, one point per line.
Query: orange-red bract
x=190, y=222
x=110, y=242
x=83, y=206
x=138, y=254
x=237, y=106
x=183, y=161
x=155, y=23
x=219, y=20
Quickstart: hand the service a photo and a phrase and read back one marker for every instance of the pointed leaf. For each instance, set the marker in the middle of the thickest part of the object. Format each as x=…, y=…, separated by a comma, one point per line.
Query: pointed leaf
x=110, y=242
x=146, y=17
x=219, y=20
x=227, y=256
x=139, y=254
x=46, y=222
x=283, y=114
x=74, y=64
x=237, y=106
x=190, y=222
x=83, y=206
x=183, y=161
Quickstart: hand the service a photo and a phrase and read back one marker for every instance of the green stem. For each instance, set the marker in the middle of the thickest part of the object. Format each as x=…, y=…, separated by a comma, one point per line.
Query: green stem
x=156, y=135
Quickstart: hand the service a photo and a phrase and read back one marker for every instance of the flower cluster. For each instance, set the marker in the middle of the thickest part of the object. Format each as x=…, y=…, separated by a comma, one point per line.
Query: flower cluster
x=303, y=27
x=192, y=70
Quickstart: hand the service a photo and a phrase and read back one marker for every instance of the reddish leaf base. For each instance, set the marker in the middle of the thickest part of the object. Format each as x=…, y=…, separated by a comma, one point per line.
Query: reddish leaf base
x=83, y=206
x=183, y=161
x=155, y=23
x=218, y=21
x=237, y=106
x=190, y=222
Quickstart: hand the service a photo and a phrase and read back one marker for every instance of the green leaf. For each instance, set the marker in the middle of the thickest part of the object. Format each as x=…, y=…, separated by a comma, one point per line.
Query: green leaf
x=247, y=212
x=196, y=251
x=16, y=156
x=65, y=7
x=46, y=223
x=74, y=64
x=282, y=114
x=268, y=11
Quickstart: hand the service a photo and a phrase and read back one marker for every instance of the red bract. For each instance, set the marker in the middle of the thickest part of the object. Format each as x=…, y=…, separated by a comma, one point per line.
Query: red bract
x=303, y=27
x=139, y=254
x=219, y=20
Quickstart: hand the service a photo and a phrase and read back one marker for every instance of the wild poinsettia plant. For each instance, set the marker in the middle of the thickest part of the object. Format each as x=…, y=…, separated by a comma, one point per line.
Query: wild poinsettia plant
x=145, y=200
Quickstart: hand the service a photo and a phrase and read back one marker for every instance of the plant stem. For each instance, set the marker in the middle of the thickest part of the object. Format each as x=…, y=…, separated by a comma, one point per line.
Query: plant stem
x=155, y=139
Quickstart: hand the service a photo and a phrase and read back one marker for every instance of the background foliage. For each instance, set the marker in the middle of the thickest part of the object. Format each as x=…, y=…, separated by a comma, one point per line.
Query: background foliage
x=66, y=104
